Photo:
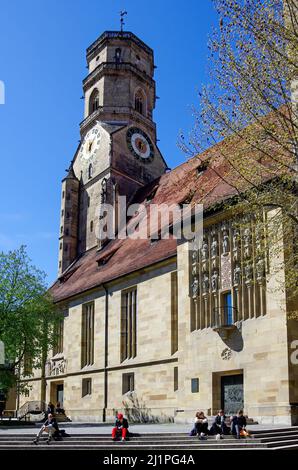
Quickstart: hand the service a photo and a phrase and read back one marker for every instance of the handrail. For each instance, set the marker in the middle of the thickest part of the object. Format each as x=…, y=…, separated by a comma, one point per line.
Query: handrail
x=31, y=407
x=225, y=316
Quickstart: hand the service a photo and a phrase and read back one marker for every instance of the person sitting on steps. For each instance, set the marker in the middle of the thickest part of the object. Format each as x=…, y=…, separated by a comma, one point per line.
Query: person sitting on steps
x=219, y=425
x=50, y=426
x=238, y=424
x=200, y=426
x=121, y=427
x=59, y=409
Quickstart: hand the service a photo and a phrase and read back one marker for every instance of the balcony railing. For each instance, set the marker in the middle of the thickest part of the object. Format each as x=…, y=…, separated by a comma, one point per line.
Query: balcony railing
x=224, y=318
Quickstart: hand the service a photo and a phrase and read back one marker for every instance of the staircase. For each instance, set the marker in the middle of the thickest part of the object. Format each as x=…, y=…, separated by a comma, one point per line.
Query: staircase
x=274, y=439
x=32, y=408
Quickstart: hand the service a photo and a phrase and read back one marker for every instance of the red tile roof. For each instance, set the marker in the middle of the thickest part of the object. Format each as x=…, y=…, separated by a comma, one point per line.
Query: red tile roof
x=184, y=183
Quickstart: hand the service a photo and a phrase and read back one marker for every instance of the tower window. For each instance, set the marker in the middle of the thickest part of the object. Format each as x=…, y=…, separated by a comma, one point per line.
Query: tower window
x=94, y=101
x=63, y=194
x=140, y=102
x=91, y=226
x=66, y=231
x=90, y=171
x=117, y=55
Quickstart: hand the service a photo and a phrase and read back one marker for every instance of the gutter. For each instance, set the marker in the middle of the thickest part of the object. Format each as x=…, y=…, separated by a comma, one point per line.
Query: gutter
x=106, y=345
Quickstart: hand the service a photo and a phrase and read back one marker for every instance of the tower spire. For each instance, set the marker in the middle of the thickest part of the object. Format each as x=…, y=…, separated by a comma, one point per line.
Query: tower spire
x=122, y=14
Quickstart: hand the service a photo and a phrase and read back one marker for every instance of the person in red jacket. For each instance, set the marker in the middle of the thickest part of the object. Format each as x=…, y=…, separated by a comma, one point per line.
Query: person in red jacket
x=121, y=427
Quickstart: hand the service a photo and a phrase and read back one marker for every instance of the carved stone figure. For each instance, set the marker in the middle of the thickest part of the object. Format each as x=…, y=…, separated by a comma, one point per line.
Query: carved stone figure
x=55, y=367
x=247, y=237
x=248, y=273
x=205, y=249
x=195, y=288
x=225, y=244
x=236, y=239
x=237, y=275
x=194, y=256
x=214, y=281
x=214, y=247
x=205, y=283
x=260, y=269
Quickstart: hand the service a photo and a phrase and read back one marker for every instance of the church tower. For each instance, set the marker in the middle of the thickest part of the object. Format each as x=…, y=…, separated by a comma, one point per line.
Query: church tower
x=117, y=153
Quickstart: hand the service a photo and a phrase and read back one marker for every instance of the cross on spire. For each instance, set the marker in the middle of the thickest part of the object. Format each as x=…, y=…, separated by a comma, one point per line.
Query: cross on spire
x=122, y=14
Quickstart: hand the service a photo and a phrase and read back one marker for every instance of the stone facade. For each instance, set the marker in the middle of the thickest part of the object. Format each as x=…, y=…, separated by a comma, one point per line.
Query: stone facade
x=208, y=327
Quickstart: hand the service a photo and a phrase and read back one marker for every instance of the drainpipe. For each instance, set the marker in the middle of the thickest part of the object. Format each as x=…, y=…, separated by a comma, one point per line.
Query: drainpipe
x=106, y=345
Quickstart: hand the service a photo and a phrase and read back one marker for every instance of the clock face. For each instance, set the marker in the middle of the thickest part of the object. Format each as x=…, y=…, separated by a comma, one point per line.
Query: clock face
x=140, y=144
x=90, y=144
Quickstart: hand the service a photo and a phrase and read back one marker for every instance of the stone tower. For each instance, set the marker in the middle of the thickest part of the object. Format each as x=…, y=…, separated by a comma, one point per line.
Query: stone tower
x=117, y=153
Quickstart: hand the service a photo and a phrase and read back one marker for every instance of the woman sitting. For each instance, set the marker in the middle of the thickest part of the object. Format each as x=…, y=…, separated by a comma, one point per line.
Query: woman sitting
x=200, y=425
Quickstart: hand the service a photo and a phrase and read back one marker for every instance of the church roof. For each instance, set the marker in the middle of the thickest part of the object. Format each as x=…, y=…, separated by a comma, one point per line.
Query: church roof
x=201, y=179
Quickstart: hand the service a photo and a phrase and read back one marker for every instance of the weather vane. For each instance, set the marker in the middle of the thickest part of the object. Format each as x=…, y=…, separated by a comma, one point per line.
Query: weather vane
x=122, y=14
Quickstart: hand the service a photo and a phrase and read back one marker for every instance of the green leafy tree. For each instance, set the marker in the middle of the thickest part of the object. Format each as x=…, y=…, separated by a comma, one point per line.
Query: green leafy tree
x=250, y=103
x=28, y=316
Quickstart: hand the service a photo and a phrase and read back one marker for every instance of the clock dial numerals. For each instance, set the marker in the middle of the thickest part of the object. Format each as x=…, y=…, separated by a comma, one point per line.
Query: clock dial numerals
x=90, y=144
x=140, y=144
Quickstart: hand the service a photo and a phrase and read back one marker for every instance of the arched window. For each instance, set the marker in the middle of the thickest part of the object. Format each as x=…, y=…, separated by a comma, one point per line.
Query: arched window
x=90, y=171
x=140, y=102
x=118, y=55
x=94, y=101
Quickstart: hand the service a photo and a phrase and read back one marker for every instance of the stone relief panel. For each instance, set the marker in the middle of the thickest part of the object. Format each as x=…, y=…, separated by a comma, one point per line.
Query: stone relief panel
x=230, y=258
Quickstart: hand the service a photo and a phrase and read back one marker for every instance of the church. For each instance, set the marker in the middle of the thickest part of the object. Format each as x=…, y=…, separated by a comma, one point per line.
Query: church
x=153, y=327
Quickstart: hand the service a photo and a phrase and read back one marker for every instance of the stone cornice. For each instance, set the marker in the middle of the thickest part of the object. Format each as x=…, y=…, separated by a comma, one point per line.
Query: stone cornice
x=106, y=67
x=110, y=35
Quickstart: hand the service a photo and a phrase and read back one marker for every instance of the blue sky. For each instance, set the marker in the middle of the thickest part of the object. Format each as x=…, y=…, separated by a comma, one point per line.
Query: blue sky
x=42, y=63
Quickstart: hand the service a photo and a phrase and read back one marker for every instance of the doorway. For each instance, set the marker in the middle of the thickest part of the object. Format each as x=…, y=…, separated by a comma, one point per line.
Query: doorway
x=60, y=394
x=57, y=393
x=232, y=397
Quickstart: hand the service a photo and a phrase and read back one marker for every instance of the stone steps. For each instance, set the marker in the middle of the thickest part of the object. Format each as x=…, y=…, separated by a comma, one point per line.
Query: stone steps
x=284, y=438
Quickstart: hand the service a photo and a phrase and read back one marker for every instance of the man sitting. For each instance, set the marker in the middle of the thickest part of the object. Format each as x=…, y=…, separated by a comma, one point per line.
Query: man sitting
x=219, y=424
x=50, y=426
x=121, y=427
x=238, y=424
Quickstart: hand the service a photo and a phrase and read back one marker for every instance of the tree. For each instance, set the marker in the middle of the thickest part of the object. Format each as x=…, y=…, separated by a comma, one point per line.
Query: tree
x=27, y=315
x=251, y=102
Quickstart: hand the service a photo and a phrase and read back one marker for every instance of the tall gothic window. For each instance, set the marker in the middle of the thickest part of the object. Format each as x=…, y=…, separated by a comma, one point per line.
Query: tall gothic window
x=128, y=326
x=94, y=101
x=28, y=364
x=58, y=345
x=87, y=341
x=140, y=102
x=174, y=312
